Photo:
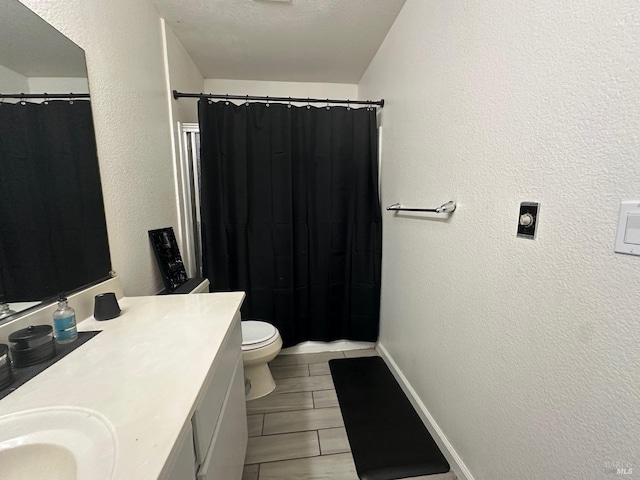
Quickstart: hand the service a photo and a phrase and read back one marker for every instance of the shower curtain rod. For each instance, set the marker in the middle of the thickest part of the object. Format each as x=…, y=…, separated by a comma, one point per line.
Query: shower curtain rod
x=267, y=99
x=49, y=96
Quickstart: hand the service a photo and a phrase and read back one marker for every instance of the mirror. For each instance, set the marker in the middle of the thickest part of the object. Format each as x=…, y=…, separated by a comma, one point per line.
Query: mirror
x=53, y=235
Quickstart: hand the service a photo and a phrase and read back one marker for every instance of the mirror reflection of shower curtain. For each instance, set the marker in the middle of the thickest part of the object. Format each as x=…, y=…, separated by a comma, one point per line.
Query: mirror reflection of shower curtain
x=52, y=237
x=290, y=214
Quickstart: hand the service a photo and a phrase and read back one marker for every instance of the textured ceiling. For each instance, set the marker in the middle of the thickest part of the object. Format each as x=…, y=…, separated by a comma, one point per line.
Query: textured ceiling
x=298, y=41
x=33, y=48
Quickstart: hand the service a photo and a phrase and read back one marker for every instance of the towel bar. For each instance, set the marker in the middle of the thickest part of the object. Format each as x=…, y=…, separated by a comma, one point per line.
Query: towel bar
x=448, y=207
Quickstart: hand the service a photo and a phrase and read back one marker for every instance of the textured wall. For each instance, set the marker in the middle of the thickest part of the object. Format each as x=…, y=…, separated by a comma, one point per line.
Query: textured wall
x=526, y=353
x=123, y=46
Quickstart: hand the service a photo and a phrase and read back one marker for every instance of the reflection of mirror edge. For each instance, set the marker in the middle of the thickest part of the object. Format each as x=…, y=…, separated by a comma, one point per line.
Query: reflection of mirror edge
x=82, y=301
x=51, y=299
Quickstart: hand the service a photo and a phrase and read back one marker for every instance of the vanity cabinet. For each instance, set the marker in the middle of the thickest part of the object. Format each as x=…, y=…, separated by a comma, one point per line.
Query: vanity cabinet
x=185, y=466
x=225, y=457
x=216, y=442
x=166, y=377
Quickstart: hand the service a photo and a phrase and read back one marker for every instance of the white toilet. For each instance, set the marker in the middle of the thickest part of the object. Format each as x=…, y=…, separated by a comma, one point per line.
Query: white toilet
x=261, y=343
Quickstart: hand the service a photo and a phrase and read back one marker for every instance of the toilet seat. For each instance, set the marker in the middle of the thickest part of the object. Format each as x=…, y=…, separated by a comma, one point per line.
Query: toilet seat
x=257, y=334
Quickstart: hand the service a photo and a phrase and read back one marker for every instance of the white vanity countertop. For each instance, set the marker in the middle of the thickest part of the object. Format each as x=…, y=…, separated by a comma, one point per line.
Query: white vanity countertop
x=144, y=373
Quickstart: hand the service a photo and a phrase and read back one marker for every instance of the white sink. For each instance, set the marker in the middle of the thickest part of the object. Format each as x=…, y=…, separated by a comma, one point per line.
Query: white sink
x=59, y=443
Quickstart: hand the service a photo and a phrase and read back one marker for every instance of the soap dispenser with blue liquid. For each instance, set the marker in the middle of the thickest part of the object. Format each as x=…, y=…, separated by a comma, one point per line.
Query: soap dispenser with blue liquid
x=64, y=322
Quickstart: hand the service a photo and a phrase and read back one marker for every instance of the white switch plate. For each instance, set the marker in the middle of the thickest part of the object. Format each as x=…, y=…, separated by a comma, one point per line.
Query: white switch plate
x=628, y=235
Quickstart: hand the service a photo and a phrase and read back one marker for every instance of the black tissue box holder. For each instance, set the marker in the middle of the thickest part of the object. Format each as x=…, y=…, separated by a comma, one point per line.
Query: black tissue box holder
x=106, y=306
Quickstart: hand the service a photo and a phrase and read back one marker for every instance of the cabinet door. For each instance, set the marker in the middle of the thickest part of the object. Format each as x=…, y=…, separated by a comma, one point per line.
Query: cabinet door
x=225, y=458
x=185, y=466
x=207, y=414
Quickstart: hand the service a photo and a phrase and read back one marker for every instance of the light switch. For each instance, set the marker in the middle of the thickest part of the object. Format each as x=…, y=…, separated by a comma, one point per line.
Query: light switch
x=632, y=232
x=628, y=234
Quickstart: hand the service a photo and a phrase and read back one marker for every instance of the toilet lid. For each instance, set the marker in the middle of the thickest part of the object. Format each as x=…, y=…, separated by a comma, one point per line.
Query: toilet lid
x=256, y=332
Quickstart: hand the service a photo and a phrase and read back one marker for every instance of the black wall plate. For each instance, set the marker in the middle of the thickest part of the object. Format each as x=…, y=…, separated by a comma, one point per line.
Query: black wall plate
x=528, y=220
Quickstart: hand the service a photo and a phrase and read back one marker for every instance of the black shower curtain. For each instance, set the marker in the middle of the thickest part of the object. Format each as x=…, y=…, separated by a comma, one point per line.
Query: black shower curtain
x=290, y=215
x=52, y=224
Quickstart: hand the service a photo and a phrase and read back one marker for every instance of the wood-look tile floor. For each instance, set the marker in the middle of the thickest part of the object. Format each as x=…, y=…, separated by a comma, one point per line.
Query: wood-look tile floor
x=297, y=432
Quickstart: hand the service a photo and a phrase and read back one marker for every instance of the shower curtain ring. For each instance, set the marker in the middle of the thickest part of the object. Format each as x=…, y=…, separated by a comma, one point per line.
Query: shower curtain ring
x=246, y=103
x=328, y=108
x=308, y=106
x=267, y=100
x=227, y=99
x=23, y=100
x=71, y=99
x=46, y=99
x=289, y=104
x=348, y=104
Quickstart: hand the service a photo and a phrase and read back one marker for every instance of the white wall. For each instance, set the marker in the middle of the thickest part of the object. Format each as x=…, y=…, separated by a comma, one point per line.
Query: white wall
x=282, y=89
x=526, y=353
x=182, y=75
x=58, y=85
x=12, y=82
x=123, y=46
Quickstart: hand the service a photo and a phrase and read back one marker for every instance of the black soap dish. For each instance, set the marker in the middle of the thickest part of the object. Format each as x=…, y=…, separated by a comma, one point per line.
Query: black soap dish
x=21, y=375
x=32, y=345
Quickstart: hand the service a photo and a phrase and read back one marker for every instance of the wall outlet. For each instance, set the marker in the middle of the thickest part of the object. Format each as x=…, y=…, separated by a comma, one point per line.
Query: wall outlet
x=528, y=220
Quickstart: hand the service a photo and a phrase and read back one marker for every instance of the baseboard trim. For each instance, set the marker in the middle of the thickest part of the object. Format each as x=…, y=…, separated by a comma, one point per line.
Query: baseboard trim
x=456, y=463
x=317, y=347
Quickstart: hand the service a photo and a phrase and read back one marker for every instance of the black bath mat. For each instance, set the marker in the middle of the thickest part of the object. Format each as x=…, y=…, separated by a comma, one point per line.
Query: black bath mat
x=388, y=439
